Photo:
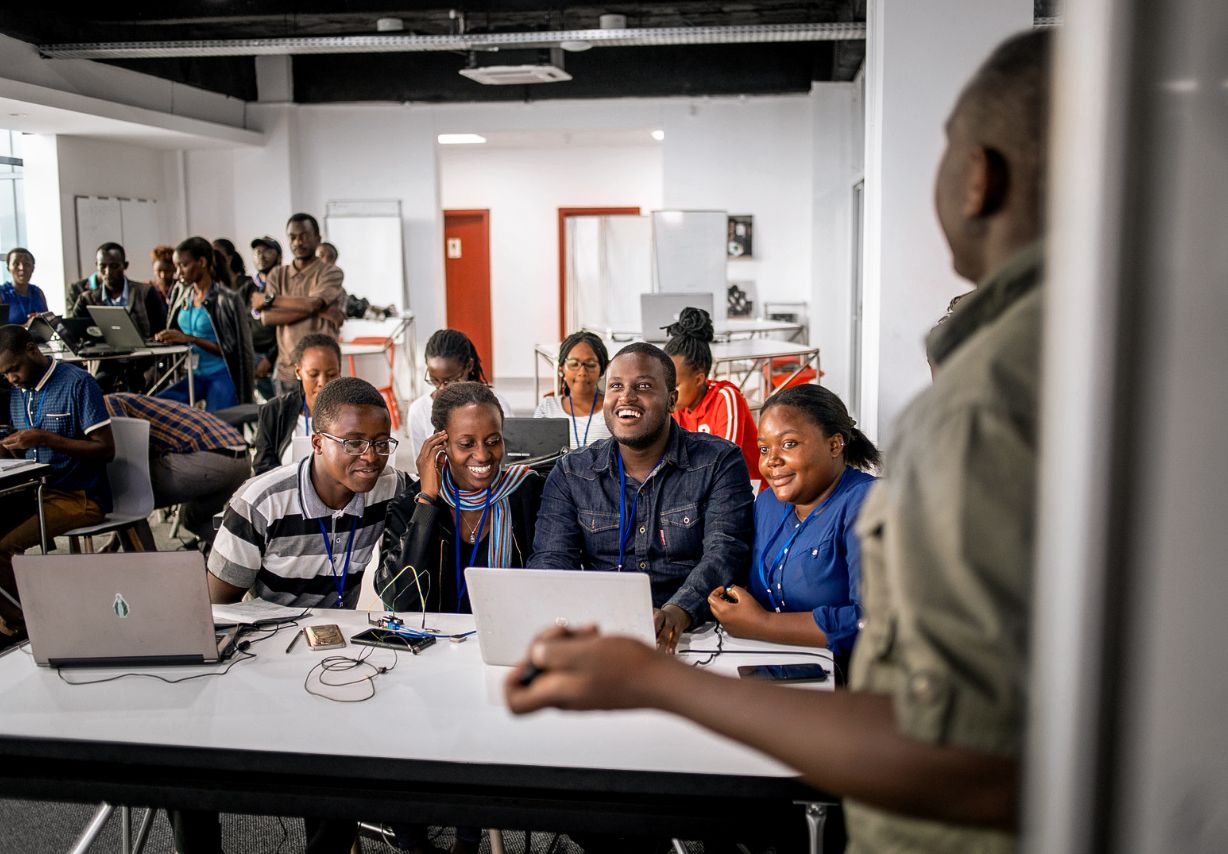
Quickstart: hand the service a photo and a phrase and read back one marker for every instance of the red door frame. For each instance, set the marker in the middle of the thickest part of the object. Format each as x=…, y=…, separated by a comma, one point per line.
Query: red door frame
x=563, y=214
x=484, y=215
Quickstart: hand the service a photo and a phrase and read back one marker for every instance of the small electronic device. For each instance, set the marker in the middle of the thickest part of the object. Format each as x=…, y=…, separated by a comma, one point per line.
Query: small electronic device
x=727, y=596
x=530, y=438
x=118, y=328
x=389, y=639
x=324, y=637
x=784, y=672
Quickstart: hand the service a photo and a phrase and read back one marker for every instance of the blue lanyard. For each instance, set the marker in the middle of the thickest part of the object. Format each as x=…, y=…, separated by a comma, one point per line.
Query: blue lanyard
x=30, y=418
x=626, y=523
x=587, y=424
x=782, y=555
x=306, y=419
x=339, y=581
x=462, y=586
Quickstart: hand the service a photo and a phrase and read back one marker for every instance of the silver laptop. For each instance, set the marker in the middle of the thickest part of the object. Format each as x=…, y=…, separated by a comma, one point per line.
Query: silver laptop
x=530, y=438
x=513, y=606
x=117, y=610
x=118, y=329
x=660, y=310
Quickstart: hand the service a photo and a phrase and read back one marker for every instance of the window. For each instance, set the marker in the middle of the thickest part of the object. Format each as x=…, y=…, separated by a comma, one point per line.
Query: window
x=12, y=198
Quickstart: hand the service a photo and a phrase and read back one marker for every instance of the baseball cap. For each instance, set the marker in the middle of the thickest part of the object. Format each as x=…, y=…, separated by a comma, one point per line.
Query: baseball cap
x=267, y=241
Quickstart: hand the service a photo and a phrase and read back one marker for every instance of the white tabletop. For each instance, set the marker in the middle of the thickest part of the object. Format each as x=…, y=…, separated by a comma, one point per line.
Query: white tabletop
x=443, y=705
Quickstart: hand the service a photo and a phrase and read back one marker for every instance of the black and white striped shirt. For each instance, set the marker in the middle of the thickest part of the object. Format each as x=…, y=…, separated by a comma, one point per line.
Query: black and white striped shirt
x=273, y=538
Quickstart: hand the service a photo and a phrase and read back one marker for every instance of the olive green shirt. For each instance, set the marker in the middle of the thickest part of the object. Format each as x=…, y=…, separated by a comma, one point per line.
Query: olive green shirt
x=946, y=550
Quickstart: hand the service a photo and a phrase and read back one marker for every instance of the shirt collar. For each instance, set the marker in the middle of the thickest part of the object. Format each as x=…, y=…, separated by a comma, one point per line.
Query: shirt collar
x=46, y=376
x=313, y=506
x=123, y=294
x=996, y=293
x=675, y=450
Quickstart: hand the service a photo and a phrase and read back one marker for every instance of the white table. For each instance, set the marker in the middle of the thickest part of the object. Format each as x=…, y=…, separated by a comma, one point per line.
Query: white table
x=436, y=744
x=724, y=330
x=180, y=357
x=738, y=361
x=400, y=328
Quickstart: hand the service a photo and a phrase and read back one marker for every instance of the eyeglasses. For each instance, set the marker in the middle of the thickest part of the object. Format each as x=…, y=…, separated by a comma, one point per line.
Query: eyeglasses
x=358, y=447
x=431, y=381
x=576, y=364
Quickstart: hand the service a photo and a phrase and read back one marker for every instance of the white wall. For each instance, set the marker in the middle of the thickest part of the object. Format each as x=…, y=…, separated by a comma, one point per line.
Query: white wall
x=524, y=188
x=837, y=116
x=749, y=156
x=908, y=275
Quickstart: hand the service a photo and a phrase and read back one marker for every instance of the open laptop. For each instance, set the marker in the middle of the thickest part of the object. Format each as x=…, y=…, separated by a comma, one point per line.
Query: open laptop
x=118, y=329
x=531, y=438
x=117, y=610
x=513, y=606
x=660, y=310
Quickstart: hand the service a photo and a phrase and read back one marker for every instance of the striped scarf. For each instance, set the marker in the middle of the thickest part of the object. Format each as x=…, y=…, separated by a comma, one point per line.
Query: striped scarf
x=499, y=553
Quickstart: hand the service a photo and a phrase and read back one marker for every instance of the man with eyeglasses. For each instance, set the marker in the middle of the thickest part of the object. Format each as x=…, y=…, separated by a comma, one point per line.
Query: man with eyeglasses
x=302, y=534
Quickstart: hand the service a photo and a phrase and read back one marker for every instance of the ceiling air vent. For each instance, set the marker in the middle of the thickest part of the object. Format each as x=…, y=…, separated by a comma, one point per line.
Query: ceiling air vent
x=550, y=71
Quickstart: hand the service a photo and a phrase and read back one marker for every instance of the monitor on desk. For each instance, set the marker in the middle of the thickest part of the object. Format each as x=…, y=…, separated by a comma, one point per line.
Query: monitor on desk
x=513, y=606
x=658, y=311
x=117, y=610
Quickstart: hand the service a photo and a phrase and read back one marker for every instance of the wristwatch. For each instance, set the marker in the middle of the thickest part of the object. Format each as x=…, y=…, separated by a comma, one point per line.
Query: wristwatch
x=268, y=299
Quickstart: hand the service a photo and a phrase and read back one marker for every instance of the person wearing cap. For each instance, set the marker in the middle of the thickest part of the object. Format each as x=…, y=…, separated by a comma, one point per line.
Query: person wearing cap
x=266, y=257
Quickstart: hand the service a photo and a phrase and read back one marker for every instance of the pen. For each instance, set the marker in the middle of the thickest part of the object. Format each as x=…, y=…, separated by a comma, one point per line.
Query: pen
x=294, y=640
x=531, y=672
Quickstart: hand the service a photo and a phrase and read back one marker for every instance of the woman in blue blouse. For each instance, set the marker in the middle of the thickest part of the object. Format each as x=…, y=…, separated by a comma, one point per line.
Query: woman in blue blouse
x=23, y=299
x=805, y=567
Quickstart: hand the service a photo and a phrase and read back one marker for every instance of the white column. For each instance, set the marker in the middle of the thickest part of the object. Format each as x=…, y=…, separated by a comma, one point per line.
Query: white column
x=54, y=251
x=918, y=58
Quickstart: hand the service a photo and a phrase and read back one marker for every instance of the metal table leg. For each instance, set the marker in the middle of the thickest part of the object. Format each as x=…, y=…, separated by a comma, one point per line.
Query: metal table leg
x=125, y=829
x=42, y=518
x=87, y=837
x=816, y=820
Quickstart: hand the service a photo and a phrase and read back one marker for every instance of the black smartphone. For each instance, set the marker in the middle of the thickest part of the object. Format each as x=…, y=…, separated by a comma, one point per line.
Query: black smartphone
x=392, y=640
x=784, y=672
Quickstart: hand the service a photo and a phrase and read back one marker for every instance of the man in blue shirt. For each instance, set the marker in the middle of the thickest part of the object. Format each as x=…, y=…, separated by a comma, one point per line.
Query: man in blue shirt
x=654, y=498
x=110, y=286
x=58, y=417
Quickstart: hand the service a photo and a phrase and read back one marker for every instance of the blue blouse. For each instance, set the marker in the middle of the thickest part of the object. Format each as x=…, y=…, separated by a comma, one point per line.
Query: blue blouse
x=22, y=307
x=195, y=322
x=822, y=571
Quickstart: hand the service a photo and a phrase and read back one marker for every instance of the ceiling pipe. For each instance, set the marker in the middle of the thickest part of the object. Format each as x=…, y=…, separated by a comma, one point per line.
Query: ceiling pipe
x=643, y=37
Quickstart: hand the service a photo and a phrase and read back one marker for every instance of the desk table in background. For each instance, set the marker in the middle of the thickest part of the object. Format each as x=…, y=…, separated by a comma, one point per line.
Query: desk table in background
x=737, y=361
x=436, y=745
x=180, y=355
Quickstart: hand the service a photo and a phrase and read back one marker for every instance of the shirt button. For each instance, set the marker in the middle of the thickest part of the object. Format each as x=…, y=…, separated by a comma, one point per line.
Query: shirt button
x=642, y=530
x=686, y=520
x=861, y=624
x=924, y=687
x=643, y=564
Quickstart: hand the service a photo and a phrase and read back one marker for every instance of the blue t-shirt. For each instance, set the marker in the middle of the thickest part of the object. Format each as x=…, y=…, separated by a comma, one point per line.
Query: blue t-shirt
x=822, y=570
x=68, y=402
x=21, y=307
x=196, y=322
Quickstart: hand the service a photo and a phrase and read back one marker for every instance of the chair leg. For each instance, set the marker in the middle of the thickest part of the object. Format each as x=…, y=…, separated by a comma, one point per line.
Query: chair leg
x=89, y=544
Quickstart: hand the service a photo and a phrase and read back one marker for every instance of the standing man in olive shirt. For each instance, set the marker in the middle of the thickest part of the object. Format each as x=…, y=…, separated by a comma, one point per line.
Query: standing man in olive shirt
x=302, y=297
x=925, y=747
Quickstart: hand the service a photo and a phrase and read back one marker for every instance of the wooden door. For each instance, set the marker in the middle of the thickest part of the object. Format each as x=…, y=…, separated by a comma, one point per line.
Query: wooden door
x=466, y=252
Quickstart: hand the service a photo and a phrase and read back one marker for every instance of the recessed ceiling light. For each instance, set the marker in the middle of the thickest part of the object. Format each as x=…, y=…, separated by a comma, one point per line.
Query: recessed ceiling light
x=658, y=135
x=460, y=139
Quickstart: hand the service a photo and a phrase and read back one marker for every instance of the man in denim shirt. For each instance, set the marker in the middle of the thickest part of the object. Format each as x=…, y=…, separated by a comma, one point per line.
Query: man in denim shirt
x=654, y=498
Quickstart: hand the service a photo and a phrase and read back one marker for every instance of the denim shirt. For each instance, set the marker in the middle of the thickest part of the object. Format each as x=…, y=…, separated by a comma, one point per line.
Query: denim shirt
x=694, y=521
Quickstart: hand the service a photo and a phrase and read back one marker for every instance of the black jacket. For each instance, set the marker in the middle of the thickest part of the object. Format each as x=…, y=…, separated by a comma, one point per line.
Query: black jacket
x=229, y=317
x=422, y=536
x=275, y=428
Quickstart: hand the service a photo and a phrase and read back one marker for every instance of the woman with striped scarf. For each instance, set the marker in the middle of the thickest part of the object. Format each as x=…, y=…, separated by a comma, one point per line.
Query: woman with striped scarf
x=466, y=511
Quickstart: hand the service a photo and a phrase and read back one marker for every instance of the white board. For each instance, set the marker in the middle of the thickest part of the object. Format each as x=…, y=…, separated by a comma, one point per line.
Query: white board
x=690, y=255
x=132, y=223
x=372, y=255
x=98, y=221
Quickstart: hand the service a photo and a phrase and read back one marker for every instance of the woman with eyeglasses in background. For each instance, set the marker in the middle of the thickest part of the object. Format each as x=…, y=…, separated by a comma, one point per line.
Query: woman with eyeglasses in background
x=450, y=358
x=582, y=363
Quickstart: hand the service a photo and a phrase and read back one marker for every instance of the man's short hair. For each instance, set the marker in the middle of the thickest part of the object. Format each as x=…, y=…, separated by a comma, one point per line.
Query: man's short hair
x=14, y=338
x=304, y=217
x=643, y=348
x=111, y=246
x=1006, y=108
x=344, y=391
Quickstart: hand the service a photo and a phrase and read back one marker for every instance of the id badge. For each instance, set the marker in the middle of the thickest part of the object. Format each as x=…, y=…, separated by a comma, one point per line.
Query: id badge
x=194, y=360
